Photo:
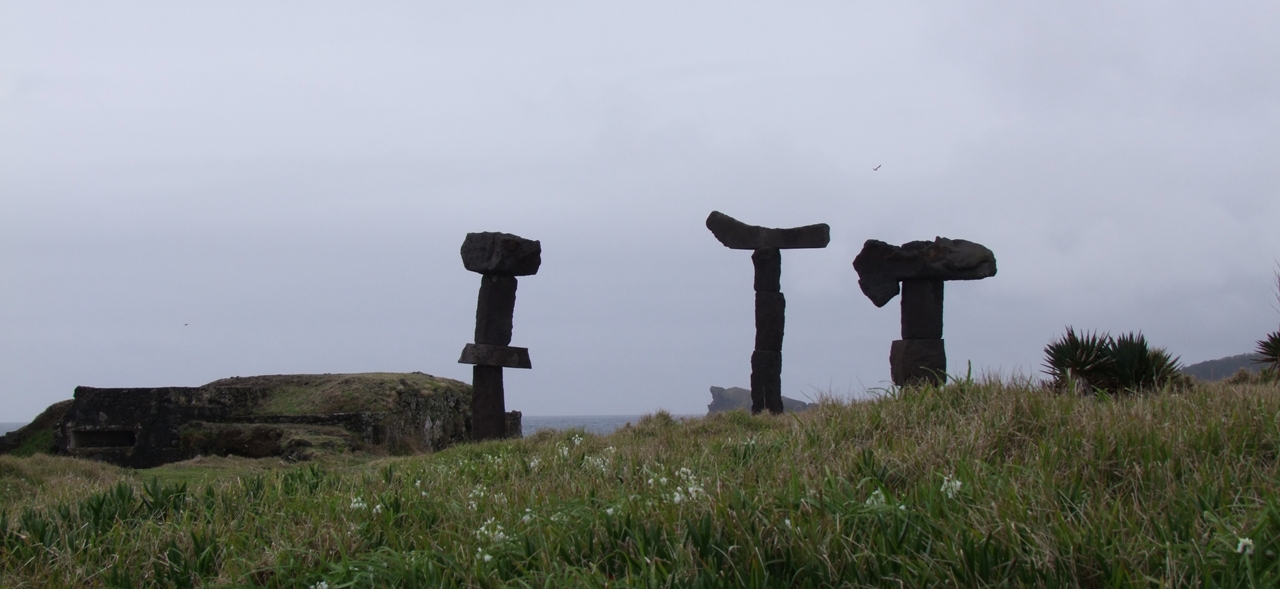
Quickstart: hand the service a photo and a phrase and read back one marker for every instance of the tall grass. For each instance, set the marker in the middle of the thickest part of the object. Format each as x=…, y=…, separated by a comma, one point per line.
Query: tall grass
x=972, y=484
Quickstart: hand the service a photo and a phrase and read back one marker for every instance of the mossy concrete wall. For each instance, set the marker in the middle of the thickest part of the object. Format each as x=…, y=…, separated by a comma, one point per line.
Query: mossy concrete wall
x=287, y=415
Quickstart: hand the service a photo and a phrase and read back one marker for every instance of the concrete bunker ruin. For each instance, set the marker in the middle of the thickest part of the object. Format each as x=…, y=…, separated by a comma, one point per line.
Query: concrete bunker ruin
x=292, y=416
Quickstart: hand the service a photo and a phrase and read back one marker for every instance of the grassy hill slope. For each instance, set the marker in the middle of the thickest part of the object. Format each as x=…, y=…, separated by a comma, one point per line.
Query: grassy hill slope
x=973, y=484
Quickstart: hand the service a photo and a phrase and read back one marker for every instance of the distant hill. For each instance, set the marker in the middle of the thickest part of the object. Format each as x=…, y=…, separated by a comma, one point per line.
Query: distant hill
x=1223, y=367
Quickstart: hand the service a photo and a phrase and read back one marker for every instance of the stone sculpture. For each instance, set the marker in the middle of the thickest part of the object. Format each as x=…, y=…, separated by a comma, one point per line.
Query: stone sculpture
x=920, y=267
x=766, y=360
x=499, y=258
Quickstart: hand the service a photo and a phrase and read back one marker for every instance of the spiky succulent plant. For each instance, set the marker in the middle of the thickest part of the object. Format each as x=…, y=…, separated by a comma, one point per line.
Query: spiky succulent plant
x=1083, y=360
x=1136, y=366
x=1092, y=361
x=1269, y=350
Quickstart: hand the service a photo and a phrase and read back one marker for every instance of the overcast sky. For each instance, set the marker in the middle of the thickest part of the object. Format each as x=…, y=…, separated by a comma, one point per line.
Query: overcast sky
x=196, y=191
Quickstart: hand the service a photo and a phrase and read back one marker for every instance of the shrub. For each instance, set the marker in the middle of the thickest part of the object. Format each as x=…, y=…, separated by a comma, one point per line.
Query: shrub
x=1082, y=360
x=1269, y=350
x=1089, y=362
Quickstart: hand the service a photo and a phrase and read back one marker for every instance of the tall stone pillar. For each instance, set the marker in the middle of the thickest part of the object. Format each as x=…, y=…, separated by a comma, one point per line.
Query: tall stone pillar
x=920, y=267
x=499, y=258
x=771, y=305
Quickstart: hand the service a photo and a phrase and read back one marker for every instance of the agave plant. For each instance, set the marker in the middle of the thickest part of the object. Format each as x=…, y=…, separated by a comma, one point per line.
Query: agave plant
x=1269, y=350
x=1093, y=361
x=1083, y=360
x=1136, y=366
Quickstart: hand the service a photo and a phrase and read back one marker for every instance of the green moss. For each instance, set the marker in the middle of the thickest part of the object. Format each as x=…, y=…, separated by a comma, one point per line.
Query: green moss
x=40, y=442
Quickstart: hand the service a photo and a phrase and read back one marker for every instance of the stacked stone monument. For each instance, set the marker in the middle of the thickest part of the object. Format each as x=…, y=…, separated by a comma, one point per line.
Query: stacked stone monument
x=920, y=267
x=767, y=243
x=499, y=258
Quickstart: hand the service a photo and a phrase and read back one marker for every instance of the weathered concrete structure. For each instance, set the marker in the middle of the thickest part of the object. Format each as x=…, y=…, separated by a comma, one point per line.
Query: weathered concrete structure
x=920, y=267
x=287, y=415
x=499, y=258
x=771, y=306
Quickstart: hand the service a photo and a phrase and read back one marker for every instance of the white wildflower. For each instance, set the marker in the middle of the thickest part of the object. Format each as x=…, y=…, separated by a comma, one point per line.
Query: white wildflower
x=563, y=450
x=358, y=503
x=491, y=531
x=677, y=497
x=528, y=516
x=535, y=463
x=1244, y=546
x=577, y=440
x=377, y=509
x=876, y=498
x=608, y=511
x=950, y=486
x=417, y=483
x=320, y=585
x=788, y=523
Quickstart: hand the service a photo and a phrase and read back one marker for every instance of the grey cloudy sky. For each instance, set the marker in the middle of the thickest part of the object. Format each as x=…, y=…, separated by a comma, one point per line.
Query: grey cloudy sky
x=195, y=191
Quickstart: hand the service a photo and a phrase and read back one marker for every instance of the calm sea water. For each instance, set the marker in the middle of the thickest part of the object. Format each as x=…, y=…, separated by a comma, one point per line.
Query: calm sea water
x=530, y=424
x=597, y=424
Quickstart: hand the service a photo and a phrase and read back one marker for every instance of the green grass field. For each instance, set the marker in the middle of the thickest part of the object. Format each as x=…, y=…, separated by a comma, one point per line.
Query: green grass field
x=974, y=484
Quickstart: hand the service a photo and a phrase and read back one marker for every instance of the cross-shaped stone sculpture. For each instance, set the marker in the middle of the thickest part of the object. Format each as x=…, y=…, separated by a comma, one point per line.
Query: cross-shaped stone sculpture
x=771, y=306
x=500, y=258
x=921, y=267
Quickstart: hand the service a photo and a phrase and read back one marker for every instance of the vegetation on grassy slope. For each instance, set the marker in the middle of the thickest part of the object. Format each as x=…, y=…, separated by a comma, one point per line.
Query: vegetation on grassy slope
x=969, y=485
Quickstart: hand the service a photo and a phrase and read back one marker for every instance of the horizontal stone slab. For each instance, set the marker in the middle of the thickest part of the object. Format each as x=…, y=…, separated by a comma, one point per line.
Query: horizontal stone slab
x=882, y=266
x=735, y=234
x=487, y=355
x=501, y=254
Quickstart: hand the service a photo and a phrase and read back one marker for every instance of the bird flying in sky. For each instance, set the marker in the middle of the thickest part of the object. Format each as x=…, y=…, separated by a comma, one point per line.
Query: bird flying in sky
x=877, y=168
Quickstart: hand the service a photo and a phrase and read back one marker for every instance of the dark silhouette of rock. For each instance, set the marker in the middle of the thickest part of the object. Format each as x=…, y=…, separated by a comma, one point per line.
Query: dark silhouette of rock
x=771, y=306
x=499, y=356
x=739, y=399
x=501, y=254
x=735, y=234
x=918, y=270
x=500, y=257
x=882, y=266
x=917, y=361
x=922, y=309
x=766, y=381
x=768, y=263
x=495, y=310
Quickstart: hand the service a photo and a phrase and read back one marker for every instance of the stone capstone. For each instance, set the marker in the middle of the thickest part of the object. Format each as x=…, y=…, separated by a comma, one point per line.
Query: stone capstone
x=735, y=234
x=882, y=266
x=501, y=254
